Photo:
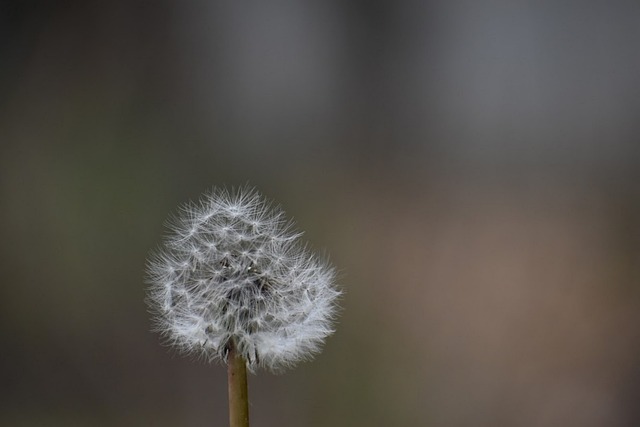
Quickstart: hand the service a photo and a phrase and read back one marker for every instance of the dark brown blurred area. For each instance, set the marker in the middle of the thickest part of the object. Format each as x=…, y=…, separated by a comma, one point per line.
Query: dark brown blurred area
x=472, y=168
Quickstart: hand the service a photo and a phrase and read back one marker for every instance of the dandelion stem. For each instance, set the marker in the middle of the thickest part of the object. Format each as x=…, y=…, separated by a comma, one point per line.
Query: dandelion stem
x=238, y=396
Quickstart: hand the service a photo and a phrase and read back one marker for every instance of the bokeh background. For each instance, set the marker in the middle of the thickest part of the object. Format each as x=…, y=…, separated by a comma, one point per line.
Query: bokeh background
x=472, y=168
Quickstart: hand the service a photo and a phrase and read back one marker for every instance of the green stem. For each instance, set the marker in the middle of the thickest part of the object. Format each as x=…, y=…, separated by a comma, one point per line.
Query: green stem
x=238, y=396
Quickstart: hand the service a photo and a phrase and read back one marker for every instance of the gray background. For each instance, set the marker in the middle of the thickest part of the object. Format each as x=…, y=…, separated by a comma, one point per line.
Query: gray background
x=472, y=168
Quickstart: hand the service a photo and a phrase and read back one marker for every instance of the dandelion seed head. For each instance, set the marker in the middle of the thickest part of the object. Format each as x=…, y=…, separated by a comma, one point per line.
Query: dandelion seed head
x=232, y=271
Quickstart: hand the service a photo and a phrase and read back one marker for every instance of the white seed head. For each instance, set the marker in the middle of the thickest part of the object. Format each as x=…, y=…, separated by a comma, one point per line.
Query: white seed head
x=233, y=272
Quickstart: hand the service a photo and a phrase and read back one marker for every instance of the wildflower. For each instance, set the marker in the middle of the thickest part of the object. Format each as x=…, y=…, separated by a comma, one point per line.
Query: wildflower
x=233, y=275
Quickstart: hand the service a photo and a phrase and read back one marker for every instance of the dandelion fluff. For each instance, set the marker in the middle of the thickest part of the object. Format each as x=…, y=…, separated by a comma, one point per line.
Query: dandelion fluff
x=232, y=271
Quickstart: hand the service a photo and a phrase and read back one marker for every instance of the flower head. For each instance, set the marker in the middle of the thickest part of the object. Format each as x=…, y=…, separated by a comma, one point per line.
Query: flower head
x=232, y=272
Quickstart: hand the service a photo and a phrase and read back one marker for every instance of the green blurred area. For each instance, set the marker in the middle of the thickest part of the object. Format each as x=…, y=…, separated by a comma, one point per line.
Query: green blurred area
x=471, y=169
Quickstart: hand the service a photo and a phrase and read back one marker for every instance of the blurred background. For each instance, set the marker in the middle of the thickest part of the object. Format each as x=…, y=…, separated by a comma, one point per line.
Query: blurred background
x=472, y=168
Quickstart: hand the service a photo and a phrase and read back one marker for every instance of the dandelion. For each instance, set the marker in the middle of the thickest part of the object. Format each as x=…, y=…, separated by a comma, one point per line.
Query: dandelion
x=233, y=283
